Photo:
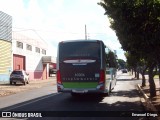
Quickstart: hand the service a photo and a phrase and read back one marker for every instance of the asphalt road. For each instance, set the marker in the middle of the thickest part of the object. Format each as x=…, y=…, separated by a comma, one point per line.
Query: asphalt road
x=124, y=100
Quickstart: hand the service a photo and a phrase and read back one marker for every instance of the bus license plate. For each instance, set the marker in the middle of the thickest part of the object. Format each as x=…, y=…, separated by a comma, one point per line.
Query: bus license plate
x=80, y=91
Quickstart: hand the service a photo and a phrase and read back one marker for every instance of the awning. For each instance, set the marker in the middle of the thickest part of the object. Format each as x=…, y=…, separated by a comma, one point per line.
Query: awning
x=48, y=59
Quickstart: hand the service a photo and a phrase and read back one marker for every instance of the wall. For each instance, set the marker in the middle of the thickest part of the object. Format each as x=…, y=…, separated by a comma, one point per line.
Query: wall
x=5, y=46
x=33, y=59
x=5, y=26
x=5, y=60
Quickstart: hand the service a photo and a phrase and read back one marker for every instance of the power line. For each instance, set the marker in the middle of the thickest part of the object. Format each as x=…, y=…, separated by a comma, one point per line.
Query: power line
x=39, y=36
x=26, y=29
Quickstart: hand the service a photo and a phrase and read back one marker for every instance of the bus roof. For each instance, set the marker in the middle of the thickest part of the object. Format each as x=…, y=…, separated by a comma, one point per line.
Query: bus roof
x=81, y=40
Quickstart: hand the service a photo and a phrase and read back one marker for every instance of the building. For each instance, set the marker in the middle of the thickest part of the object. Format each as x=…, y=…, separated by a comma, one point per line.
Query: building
x=23, y=49
x=29, y=54
x=5, y=46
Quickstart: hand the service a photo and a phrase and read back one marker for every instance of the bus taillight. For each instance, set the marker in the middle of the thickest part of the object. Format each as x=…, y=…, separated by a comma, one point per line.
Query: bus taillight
x=102, y=76
x=59, y=77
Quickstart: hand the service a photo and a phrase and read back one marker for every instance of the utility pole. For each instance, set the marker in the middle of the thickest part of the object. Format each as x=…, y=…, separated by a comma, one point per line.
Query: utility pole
x=85, y=32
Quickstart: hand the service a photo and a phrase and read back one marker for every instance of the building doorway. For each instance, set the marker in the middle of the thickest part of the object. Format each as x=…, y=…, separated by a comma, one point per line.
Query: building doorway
x=44, y=76
x=18, y=62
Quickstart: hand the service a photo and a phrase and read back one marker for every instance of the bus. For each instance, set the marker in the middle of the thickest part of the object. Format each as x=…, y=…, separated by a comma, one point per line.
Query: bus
x=82, y=68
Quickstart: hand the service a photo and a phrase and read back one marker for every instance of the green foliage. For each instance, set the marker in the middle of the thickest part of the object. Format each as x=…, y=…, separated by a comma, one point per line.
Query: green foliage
x=137, y=25
x=121, y=63
x=131, y=60
x=111, y=59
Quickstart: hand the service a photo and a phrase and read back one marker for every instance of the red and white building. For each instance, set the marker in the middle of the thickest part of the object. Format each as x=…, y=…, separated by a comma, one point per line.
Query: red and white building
x=29, y=53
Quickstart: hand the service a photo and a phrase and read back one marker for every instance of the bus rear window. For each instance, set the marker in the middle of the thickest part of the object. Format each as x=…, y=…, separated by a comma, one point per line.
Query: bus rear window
x=71, y=50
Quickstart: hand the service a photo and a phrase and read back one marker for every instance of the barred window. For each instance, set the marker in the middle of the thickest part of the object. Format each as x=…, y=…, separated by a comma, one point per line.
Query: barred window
x=37, y=50
x=43, y=51
x=29, y=47
x=19, y=44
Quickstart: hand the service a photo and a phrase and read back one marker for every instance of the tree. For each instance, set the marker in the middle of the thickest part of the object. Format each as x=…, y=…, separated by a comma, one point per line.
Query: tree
x=111, y=59
x=135, y=62
x=121, y=63
x=143, y=68
x=137, y=26
x=132, y=62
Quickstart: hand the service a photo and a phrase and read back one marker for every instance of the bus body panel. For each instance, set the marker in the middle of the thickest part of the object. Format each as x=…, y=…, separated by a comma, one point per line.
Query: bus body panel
x=80, y=64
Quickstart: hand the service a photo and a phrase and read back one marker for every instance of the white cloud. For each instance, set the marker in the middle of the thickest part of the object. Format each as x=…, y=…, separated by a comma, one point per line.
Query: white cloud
x=57, y=20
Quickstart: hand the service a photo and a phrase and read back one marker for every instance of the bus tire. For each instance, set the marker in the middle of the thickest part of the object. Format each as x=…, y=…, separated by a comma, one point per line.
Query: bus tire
x=110, y=89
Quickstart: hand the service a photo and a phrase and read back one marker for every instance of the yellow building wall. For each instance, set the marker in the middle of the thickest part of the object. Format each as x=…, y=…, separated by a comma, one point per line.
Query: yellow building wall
x=5, y=59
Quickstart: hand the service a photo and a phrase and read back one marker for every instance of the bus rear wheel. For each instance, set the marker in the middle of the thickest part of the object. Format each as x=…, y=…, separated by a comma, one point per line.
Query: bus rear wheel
x=108, y=93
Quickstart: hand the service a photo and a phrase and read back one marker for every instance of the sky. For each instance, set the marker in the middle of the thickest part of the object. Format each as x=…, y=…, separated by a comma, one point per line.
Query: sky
x=59, y=20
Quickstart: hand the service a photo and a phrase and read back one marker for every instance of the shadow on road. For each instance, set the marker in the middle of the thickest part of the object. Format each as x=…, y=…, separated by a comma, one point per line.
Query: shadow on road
x=89, y=105
x=129, y=94
x=89, y=102
x=23, y=104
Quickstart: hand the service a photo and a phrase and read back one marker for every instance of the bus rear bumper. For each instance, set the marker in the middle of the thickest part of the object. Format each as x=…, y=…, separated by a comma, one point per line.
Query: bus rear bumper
x=68, y=90
x=99, y=89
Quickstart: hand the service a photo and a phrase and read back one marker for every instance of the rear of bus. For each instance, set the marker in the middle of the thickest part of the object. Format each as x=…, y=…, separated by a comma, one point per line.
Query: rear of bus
x=81, y=66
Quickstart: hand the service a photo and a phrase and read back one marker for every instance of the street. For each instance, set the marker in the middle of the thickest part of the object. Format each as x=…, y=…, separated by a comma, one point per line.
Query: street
x=124, y=98
x=83, y=59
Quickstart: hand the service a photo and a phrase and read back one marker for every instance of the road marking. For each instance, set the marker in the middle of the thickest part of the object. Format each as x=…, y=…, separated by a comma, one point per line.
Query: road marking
x=31, y=102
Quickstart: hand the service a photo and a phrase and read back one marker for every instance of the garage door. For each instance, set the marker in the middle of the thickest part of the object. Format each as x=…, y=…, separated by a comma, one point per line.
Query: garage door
x=18, y=62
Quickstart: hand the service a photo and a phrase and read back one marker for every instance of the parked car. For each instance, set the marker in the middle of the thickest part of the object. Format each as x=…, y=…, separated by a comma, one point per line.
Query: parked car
x=52, y=71
x=124, y=70
x=19, y=76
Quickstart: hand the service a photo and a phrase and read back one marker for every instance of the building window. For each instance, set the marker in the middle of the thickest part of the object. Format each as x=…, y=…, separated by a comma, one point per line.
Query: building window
x=37, y=50
x=43, y=51
x=29, y=47
x=19, y=44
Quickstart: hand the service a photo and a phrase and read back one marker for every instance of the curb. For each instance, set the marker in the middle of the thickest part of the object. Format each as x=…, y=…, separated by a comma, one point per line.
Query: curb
x=147, y=102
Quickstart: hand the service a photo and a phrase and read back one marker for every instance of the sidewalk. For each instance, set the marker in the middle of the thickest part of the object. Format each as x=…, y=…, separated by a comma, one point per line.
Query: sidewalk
x=7, y=89
x=150, y=104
